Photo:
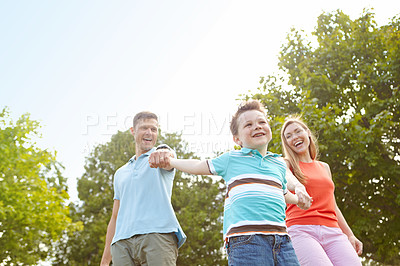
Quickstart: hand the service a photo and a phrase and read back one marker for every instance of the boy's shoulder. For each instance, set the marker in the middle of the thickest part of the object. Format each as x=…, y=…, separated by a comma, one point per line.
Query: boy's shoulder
x=251, y=152
x=245, y=152
x=275, y=157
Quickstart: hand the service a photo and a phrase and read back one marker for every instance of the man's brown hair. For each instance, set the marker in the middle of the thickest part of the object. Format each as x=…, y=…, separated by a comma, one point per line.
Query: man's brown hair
x=143, y=116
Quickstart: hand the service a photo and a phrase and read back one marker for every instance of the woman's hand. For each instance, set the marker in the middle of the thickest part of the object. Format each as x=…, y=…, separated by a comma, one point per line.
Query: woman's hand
x=357, y=244
x=304, y=199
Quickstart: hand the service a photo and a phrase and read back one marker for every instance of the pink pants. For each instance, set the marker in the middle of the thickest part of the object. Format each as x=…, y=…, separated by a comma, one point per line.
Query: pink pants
x=322, y=245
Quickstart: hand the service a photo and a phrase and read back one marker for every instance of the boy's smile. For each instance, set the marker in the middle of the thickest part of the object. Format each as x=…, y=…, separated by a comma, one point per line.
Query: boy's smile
x=253, y=131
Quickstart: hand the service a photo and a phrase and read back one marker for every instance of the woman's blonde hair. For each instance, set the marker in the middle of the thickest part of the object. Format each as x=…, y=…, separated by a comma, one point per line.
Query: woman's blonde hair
x=290, y=156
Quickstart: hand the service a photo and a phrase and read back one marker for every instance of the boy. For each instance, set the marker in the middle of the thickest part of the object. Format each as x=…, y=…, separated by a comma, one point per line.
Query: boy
x=254, y=213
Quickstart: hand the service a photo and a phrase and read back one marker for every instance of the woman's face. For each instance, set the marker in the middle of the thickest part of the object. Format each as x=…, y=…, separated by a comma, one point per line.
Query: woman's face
x=297, y=138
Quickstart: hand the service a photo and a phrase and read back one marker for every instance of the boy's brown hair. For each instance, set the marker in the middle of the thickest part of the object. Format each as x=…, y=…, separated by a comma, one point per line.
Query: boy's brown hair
x=143, y=116
x=244, y=107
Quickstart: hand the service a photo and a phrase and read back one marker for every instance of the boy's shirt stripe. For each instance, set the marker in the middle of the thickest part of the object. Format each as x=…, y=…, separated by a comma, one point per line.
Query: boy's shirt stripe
x=256, y=229
x=254, y=202
x=253, y=181
x=252, y=190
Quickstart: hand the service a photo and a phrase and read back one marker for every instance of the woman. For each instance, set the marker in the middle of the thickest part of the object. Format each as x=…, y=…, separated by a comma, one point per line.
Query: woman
x=320, y=235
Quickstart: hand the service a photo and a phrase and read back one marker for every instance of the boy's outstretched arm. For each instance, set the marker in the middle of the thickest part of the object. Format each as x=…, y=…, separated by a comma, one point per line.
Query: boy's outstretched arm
x=190, y=166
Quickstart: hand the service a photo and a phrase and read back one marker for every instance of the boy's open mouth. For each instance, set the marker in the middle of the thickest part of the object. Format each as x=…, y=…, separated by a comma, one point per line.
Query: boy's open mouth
x=258, y=135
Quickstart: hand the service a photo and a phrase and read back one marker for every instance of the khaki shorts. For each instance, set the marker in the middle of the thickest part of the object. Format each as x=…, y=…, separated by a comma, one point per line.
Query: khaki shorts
x=153, y=249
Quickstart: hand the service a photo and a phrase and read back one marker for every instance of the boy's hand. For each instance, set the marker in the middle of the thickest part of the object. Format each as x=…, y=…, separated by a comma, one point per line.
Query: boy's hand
x=161, y=159
x=304, y=199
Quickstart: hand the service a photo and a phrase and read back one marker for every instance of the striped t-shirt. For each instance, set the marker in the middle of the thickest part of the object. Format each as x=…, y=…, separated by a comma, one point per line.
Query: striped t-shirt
x=254, y=201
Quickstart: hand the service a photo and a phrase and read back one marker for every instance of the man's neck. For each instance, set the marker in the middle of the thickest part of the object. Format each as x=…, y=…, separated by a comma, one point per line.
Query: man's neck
x=140, y=152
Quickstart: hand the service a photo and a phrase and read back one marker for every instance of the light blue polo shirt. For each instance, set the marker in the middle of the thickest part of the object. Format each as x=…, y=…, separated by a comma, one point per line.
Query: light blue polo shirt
x=145, y=200
x=256, y=184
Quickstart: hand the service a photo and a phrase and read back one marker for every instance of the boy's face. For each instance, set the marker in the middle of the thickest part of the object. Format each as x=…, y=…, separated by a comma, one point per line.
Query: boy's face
x=145, y=133
x=254, y=131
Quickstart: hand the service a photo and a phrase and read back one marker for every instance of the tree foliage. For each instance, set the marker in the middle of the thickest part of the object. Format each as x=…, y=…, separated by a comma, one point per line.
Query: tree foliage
x=345, y=83
x=198, y=204
x=33, y=212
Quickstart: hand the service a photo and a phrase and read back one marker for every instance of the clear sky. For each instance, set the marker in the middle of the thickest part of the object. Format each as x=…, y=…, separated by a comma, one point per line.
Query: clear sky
x=84, y=68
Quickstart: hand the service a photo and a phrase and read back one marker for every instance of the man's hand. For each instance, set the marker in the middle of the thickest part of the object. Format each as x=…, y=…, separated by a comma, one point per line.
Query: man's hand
x=304, y=199
x=161, y=159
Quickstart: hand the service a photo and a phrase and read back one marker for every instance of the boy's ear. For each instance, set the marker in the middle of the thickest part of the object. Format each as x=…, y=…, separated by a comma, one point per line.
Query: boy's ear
x=132, y=131
x=237, y=140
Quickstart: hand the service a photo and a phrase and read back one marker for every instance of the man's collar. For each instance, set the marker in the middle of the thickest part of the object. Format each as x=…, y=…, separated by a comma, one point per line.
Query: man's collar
x=144, y=154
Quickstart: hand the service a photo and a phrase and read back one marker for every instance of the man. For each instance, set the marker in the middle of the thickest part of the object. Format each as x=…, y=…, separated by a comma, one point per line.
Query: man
x=143, y=229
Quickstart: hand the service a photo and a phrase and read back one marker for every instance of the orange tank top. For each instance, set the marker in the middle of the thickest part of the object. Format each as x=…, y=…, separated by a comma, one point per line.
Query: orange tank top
x=321, y=188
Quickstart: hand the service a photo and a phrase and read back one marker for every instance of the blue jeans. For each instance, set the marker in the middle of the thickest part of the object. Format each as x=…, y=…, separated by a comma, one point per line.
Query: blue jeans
x=261, y=250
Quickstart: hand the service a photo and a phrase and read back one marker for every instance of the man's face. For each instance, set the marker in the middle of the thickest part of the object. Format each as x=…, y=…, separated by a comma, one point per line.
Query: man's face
x=145, y=133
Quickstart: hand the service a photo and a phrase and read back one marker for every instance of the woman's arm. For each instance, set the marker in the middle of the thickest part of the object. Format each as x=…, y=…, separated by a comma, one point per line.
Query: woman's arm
x=294, y=184
x=290, y=198
x=357, y=244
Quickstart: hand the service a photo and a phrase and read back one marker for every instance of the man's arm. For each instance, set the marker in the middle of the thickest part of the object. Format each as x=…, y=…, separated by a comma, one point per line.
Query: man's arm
x=106, y=258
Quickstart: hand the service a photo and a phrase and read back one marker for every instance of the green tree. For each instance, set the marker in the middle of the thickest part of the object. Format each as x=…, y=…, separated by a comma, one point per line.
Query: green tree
x=33, y=212
x=345, y=83
x=198, y=203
